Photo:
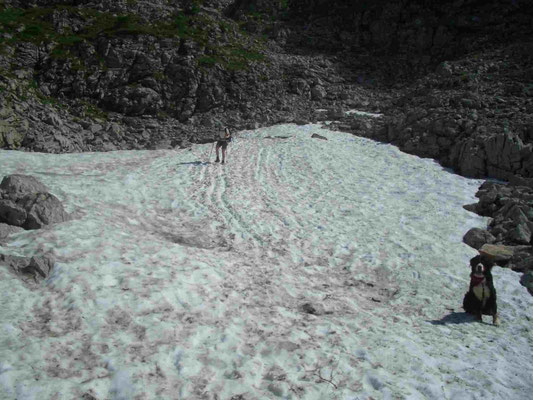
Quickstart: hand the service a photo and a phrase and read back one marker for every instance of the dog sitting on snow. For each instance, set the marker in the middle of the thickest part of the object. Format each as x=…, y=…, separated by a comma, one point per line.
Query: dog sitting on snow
x=481, y=297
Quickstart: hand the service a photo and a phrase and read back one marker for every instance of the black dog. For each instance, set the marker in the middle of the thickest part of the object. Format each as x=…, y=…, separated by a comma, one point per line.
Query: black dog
x=481, y=297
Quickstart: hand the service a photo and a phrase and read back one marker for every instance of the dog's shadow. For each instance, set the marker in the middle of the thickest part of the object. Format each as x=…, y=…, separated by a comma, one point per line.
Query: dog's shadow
x=455, y=318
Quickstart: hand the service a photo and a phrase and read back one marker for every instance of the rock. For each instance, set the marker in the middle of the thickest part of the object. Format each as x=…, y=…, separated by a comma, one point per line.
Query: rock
x=318, y=93
x=11, y=213
x=14, y=262
x=521, y=234
x=497, y=253
x=39, y=267
x=336, y=113
x=527, y=281
x=515, y=212
x=444, y=69
x=314, y=309
x=19, y=185
x=53, y=120
x=42, y=209
x=471, y=207
x=300, y=87
x=317, y=136
x=7, y=230
x=477, y=237
x=503, y=152
x=524, y=265
x=470, y=159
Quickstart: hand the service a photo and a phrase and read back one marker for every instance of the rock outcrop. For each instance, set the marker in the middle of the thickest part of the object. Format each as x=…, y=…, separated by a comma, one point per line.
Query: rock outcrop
x=508, y=238
x=25, y=202
x=33, y=269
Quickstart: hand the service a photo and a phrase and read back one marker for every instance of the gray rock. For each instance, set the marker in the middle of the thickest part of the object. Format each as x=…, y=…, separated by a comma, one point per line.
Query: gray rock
x=20, y=185
x=7, y=230
x=521, y=234
x=42, y=209
x=39, y=266
x=300, y=87
x=527, y=281
x=314, y=309
x=503, y=152
x=53, y=120
x=471, y=207
x=317, y=136
x=477, y=237
x=516, y=213
x=470, y=160
x=15, y=263
x=11, y=213
x=524, y=265
x=318, y=93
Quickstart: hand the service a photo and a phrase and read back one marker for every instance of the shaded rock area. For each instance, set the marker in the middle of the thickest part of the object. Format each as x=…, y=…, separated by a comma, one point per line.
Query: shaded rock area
x=508, y=238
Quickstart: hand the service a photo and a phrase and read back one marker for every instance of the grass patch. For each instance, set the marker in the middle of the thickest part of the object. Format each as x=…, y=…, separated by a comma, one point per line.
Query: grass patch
x=231, y=58
x=35, y=25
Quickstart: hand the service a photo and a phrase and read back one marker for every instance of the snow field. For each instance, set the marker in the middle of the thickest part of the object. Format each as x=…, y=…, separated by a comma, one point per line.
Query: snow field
x=180, y=279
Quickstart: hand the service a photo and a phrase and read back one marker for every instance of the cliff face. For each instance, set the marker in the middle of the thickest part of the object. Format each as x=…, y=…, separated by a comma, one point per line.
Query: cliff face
x=103, y=75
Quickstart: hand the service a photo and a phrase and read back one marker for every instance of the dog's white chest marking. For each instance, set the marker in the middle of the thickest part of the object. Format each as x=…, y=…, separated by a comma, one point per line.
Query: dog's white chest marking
x=482, y=292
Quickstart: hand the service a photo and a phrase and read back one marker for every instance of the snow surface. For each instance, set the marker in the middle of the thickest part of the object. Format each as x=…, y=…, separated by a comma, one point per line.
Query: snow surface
x=363, y=114
x=180, y=279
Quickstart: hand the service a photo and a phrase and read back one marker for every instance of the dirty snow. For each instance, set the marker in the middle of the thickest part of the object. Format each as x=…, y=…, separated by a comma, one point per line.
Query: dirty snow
x=181, y=279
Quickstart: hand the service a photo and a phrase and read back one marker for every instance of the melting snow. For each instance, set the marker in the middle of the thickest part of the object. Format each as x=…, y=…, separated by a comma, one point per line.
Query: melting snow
x=184, y=279
x=363, y=114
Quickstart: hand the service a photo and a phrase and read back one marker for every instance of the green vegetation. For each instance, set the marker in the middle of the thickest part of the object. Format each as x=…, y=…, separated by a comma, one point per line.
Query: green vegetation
x=35, y=25
x=231, y=58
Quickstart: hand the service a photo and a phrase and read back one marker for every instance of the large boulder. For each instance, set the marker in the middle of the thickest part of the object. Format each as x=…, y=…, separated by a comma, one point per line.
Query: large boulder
x=18, y=185
x=26, y=202
x=42, y=209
